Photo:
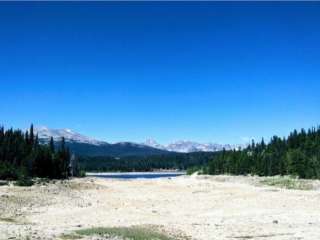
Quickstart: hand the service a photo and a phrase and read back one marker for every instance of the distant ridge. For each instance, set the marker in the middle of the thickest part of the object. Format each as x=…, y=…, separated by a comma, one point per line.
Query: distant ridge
x=84, y=145
x=44, y=133
x=190, y=146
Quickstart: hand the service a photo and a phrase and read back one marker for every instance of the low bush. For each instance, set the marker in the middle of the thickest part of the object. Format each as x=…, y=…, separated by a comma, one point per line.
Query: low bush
x=82, y=173
x=23, y=179
x=287, y=182
x=132, y=233
x=7, y=171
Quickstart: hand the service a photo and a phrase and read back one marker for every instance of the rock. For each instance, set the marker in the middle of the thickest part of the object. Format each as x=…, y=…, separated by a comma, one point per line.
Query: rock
x=275, y=222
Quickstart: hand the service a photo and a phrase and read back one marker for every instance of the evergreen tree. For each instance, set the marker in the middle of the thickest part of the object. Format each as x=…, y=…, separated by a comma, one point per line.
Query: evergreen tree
x=299, y=155
x=51, y=144
x=31, y=135
x=21, y=154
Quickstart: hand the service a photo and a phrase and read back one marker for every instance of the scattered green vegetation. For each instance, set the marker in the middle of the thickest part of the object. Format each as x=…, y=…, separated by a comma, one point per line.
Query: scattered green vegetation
x=7, y=219
x=42, y=181
x=82, y=173
x=287, y=182
x=132, y=233
x=24, y=181
x=71, y=236
x=200, y=170
x=192, y=170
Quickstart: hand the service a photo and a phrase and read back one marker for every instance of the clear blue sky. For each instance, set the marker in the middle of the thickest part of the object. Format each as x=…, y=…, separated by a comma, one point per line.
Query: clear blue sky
x=206, y=71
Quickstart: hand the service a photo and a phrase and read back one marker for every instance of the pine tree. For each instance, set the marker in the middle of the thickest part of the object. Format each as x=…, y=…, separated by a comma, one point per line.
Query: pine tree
x=31, y=135
x=51, y=144
x=22, y=154
x=297, y=162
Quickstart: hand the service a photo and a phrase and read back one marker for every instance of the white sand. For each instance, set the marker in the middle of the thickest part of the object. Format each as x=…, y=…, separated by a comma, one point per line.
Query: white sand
x=201, y=208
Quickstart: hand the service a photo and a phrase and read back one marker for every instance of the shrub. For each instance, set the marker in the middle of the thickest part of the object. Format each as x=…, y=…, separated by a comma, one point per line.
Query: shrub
x=24, y=182
x=192, y=170
x=132, y=233
x=23, y=179
x=82, y=173
x=287, y=182
x=7, y=171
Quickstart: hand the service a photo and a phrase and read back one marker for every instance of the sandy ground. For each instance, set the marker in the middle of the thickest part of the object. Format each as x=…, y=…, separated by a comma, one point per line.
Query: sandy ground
x=195, y=207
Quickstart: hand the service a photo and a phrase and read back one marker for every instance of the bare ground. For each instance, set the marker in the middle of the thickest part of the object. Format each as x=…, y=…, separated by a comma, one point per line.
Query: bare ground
x=196, y=207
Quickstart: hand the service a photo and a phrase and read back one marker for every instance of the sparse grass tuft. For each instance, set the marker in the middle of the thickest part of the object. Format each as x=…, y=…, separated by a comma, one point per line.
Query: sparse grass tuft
x=82, y=174
x=23, y=181
x=192, y=170
x=287, y=182
x=130, y=233
x=7, y=219
x=70, y=237
x=42, y=181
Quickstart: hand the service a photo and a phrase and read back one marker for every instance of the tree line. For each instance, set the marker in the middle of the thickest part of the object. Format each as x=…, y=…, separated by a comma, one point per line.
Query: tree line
x=21, y=155
x=298, y=155
x=179, y=161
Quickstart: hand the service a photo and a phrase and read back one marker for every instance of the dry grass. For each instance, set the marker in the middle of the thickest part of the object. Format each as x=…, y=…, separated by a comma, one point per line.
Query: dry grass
x=7, y=219
x=287, y=182
x=128, y=233
x=132, y=233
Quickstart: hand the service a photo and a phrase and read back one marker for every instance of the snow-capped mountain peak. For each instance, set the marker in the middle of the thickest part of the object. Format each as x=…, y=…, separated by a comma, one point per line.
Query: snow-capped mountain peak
x=153, y=143
x=184, y=146
x=44, y=133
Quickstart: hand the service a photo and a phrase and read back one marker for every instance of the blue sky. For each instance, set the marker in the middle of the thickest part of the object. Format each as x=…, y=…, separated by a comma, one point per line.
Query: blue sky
x=209, y=71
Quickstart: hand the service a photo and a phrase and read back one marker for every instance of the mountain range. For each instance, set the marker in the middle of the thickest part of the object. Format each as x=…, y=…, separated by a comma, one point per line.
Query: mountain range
x=190, y=146
x=84, y=145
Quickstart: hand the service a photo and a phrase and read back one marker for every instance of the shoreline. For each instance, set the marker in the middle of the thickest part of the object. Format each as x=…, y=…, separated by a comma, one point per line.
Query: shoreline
x=219, y=207
x=89, y=174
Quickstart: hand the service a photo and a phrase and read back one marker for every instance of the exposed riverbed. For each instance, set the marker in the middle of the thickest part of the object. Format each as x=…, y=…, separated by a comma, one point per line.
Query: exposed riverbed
x=203, y=208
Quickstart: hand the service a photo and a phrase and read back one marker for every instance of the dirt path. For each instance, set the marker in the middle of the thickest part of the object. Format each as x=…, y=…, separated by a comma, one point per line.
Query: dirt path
x=201, y=208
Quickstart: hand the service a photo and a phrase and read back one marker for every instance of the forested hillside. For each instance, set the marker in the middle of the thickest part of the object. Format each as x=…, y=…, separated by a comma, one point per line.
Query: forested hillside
x=180, y=161
x=115, y=150
x=298, y=154
x=22, y=156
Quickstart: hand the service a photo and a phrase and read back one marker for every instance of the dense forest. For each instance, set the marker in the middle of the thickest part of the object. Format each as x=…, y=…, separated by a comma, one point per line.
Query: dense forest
x=21, y=156
x=180, y=161
x=298, y=155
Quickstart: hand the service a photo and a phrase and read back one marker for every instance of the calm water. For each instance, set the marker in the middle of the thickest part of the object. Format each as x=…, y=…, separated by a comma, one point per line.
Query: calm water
x=137, y=175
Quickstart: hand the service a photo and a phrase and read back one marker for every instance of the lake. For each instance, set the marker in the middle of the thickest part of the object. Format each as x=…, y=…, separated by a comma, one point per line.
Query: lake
x=137, y=175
